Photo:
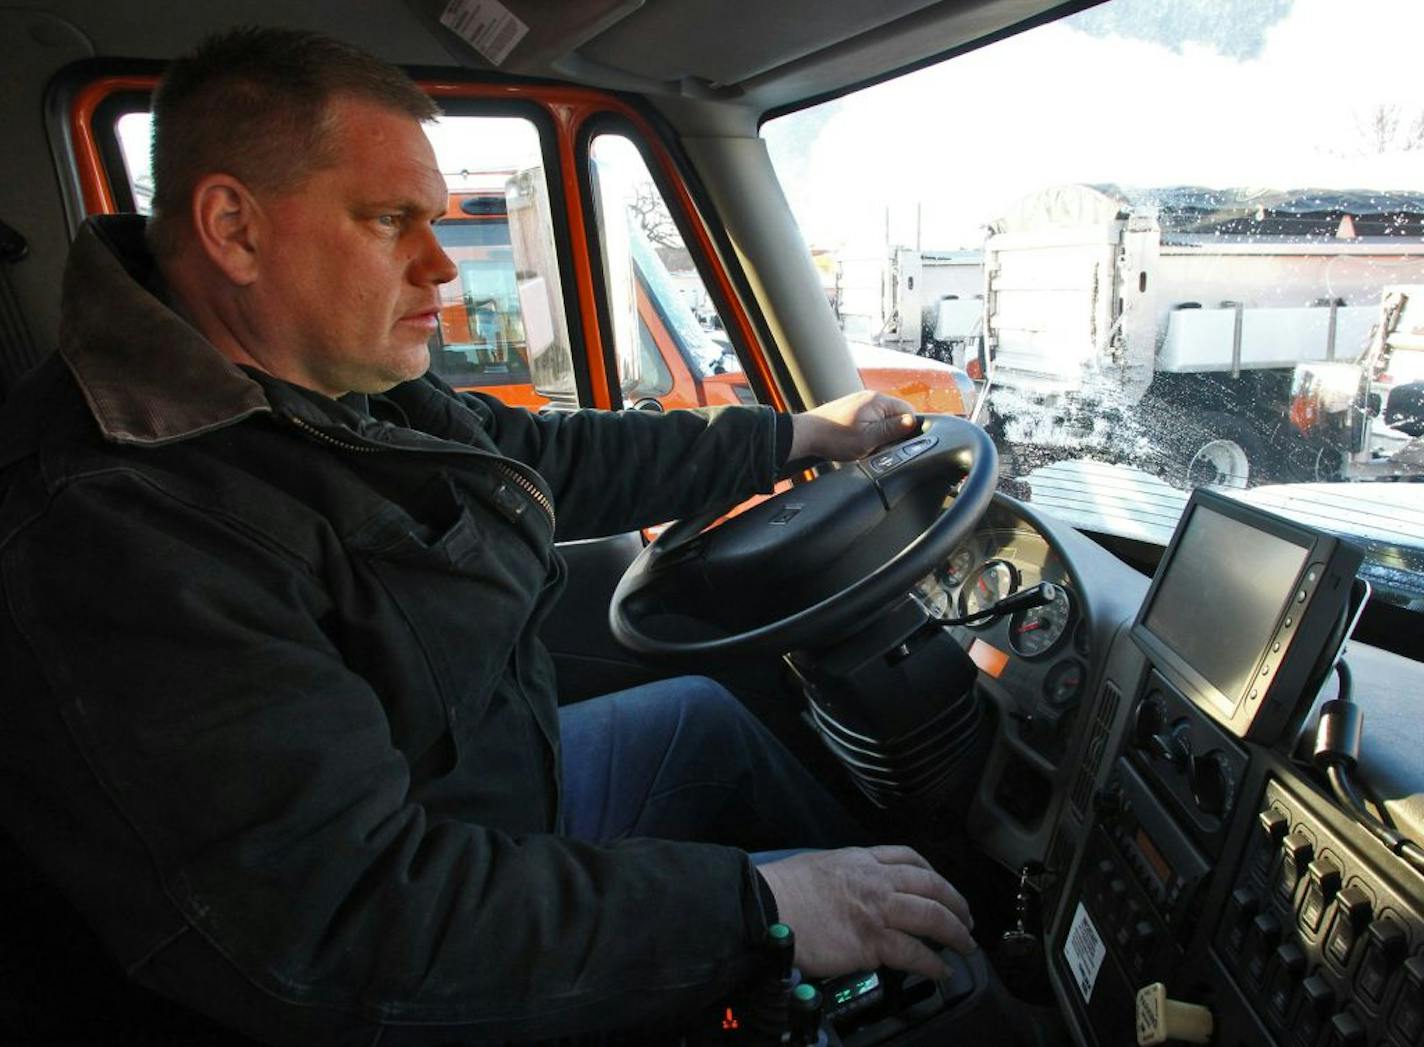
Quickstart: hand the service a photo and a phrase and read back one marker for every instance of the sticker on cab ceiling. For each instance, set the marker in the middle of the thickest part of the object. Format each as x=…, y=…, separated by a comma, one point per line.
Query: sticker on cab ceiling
x=486, y=25
x=1084, y=951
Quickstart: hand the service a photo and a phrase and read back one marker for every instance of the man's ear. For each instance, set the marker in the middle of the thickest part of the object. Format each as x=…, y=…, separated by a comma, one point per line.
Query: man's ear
x=226, y=226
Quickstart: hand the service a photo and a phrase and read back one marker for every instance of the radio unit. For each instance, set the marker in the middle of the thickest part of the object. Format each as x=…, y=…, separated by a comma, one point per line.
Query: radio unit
x=1246, y=612
x=1157, y=854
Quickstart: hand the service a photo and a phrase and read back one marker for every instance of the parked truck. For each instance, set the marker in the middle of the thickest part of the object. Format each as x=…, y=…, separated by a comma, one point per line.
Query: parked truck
x=503, y=327
x=1232, y=336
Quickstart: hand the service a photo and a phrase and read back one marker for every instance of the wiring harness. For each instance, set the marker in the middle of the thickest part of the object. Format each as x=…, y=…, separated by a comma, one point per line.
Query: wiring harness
x=1337, y=752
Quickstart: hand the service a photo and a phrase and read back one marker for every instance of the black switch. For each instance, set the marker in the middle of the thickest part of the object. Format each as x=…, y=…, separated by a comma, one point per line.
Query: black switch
x=1265, y=933
x=1317, y=1001
x=1324, y=883
x=1296, y=853
x=1345, y=1031
x=1408, y=1018
x=1384, y=948
x=1352, y=913
x=1274, y=825
x=1244, y=906
x=1289, y=966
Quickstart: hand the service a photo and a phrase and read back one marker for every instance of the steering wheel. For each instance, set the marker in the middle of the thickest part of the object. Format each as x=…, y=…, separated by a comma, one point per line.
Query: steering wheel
x=812, y=564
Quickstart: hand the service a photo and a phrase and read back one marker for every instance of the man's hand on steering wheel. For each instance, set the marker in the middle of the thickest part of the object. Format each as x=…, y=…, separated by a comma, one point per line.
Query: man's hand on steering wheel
x=861, y=908
x=851, y=427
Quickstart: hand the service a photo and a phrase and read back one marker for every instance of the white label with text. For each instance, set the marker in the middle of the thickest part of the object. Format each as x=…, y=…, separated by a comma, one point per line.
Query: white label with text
x=486, y=25
x=1084, y=951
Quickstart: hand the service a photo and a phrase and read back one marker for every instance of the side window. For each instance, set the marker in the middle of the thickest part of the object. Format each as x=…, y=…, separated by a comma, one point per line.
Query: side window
x=651, y=276
x=503, y=328
x=670, y=341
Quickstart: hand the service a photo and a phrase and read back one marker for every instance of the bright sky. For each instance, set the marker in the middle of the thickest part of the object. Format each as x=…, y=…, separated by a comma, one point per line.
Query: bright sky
x=1057, y=105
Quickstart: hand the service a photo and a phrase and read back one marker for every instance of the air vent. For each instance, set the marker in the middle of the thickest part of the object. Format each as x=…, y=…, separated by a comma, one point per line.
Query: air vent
x=1093, y=756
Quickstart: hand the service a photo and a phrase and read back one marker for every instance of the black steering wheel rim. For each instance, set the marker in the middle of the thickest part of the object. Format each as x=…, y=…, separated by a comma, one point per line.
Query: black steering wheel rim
x=954, y=442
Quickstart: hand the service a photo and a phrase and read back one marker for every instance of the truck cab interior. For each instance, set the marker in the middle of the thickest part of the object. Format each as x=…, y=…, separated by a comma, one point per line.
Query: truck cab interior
x=1177, y=811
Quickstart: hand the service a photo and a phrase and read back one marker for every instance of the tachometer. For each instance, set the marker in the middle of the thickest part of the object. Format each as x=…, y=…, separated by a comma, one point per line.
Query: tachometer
x=986, y=586
x=1037, y=630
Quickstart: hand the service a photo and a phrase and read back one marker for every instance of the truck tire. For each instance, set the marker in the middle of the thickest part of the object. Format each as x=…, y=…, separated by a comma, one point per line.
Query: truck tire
x=1226, y=453
x=1405, y=409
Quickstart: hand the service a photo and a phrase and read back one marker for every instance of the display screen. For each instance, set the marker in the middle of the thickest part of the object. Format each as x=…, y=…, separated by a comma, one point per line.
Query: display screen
x=1221, y=597
x=1155, y=861
x=862, y=984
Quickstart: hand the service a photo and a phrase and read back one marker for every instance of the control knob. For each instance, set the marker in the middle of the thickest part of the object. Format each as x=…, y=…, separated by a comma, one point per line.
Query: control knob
x=1211, y=782
x=1147, y=721
x=1175, y=745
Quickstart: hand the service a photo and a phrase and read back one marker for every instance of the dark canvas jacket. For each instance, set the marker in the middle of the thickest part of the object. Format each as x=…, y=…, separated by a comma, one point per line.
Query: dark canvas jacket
x=275, y=716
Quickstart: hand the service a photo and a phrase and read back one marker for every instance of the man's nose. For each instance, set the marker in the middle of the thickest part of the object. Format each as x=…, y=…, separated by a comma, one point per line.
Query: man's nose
x=434, y=266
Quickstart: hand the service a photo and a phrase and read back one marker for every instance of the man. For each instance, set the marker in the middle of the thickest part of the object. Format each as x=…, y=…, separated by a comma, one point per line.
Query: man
x=279, y=723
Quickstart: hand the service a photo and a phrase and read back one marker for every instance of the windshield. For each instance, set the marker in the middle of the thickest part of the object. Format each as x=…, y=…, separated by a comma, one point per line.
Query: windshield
x=1174, y=243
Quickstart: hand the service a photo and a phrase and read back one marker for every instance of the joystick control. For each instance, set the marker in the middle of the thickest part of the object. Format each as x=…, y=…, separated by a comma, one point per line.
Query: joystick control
x=804, y=1017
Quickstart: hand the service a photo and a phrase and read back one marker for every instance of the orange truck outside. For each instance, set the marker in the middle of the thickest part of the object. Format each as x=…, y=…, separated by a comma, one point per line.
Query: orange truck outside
x=481, y=345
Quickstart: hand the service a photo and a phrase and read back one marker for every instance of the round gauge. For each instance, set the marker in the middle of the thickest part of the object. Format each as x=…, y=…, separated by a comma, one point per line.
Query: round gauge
x=961, y=562
x=1064, y=683
x=932, y=595
x=1037, y=630
x=986, y=586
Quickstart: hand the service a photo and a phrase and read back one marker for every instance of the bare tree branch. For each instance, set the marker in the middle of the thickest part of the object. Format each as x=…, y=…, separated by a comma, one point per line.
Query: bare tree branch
x=653, y=216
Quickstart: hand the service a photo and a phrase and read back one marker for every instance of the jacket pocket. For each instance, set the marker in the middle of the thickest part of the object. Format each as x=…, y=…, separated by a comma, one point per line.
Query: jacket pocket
x=437, y=532
x=465, y=582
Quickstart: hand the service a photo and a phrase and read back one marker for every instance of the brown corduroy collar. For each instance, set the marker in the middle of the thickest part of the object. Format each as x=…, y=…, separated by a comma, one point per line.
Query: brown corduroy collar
x=147, y=374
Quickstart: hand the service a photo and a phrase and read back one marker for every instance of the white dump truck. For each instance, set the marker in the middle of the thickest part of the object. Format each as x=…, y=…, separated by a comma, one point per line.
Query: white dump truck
x=1238, y=333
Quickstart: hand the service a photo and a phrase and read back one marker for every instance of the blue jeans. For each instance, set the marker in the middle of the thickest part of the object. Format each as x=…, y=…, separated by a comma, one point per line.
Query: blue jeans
x=682, y=759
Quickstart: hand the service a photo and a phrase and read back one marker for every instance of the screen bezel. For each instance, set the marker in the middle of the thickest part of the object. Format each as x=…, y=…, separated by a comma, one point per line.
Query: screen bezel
x=1235, y=711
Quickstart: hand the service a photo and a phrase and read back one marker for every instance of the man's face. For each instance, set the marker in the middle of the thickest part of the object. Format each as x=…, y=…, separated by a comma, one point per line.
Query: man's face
x=347, y=295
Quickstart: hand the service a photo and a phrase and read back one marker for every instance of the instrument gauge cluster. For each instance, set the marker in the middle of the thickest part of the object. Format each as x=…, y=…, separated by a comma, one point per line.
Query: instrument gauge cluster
x=1030, y=658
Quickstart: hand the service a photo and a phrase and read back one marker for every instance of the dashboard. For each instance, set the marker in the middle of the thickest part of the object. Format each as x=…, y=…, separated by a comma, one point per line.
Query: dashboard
x=1038, y=657
x=1178, y=851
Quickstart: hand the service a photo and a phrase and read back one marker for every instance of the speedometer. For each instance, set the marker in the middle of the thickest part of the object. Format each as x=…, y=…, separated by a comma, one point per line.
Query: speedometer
x=986, y=586
x=1037, y=630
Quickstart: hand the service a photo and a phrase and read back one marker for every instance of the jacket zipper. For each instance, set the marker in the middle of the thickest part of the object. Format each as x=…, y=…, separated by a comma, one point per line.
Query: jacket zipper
x=530, y=488
x=515, y=476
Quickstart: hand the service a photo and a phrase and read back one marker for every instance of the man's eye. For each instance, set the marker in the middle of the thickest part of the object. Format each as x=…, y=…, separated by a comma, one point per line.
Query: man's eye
x=390, y=221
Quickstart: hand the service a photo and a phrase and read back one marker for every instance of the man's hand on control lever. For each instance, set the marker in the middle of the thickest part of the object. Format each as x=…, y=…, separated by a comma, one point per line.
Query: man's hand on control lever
x=861, y=908
x=851, y=427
